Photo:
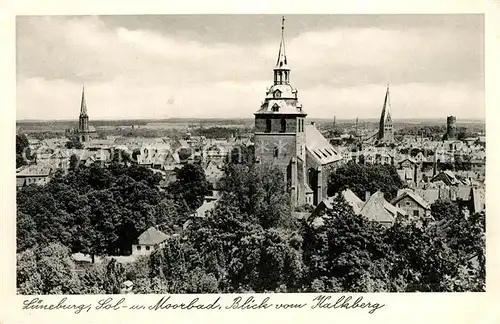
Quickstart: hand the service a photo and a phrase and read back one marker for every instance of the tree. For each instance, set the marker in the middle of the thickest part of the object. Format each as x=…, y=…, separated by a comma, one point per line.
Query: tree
x=135, y=154
x=93, y=210
x=23, y=152
x=191, y=185
x=26, y=231
x=73, y=162
x=444, y=210
x=47, y=270
x=121, y=156
x=345, y=252
x=74, y=143
x=115, y=276
x=242, y=154
x=363, y=178
x=184, y=154
x=257, y=190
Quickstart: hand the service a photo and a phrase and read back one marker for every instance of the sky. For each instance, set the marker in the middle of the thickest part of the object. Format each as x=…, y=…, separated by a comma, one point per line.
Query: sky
x=219, y=66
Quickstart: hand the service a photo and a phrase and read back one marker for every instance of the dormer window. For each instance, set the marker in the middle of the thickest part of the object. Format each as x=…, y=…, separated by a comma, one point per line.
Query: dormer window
x=277, y=94
x=275, y=106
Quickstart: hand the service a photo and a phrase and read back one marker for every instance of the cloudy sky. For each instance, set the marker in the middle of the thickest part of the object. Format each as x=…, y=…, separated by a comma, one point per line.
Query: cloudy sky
x=214, y=66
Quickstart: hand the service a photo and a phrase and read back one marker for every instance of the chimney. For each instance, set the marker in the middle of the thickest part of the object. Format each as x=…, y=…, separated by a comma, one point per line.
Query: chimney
x=367, y=195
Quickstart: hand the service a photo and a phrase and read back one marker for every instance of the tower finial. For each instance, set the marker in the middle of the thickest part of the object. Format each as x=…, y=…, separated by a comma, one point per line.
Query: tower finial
x=282, y=53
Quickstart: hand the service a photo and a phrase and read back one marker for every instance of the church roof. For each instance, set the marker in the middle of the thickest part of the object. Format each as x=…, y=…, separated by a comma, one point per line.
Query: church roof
x=280, y=107
x=319, y=147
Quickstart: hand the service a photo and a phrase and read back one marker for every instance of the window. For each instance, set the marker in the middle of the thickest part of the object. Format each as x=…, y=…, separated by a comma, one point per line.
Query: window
x=138, y=247
x=283, y=125
x=276, y=108
x=147, y=247
x=277, y=94
x=415, y=213
x=276, y=152
x=408, y=203
x=268, y=125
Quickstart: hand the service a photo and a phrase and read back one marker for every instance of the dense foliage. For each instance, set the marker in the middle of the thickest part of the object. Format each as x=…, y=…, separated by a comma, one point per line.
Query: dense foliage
x=74, y=143
x=23, y=153
x=250, y=242
x=365, y=178
x=93, y=210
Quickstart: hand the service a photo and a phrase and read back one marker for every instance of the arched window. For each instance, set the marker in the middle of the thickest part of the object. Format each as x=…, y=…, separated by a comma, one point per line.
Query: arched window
x=275, y=152
x=283, y=125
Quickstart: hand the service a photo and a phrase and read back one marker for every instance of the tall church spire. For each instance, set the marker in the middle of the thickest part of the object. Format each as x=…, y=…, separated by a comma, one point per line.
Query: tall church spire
x=281, y=71
x=281, y=61
x=83, y=106
x=385, y=132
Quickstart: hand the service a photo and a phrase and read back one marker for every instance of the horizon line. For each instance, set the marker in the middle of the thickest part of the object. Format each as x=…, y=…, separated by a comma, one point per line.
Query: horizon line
x=242, y=118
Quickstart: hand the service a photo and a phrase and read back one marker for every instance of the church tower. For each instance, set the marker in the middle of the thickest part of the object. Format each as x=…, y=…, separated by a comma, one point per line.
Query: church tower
x=386, y=133
x=83, y=121
x=279, y=128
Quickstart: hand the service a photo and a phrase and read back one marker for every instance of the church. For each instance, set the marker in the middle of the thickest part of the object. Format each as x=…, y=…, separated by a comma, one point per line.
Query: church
x=386, y=132
x=284, y=138
x=84, y=130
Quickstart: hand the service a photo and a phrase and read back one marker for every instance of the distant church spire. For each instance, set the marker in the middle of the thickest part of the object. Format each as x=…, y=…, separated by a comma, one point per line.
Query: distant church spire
x=385, y=127
x=83, y=105
x=83, y=120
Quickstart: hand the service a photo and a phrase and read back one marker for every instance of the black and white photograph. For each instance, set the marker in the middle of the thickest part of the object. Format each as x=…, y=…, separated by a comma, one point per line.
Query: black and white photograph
x=238, y=153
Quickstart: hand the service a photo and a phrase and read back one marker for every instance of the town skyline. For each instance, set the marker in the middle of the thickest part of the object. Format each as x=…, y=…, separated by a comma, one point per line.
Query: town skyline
x=166, y=67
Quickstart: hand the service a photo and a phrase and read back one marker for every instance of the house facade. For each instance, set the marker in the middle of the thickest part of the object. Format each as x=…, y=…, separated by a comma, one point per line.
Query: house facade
x=149, y=241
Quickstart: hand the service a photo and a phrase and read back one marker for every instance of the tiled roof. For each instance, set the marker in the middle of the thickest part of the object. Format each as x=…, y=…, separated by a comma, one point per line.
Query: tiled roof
x=152, y=236
x=353, y=200
x=318, y=146
x=379, y=210
x=205, y=208
x=20, y=182
x=34, y=170
x=414, y=196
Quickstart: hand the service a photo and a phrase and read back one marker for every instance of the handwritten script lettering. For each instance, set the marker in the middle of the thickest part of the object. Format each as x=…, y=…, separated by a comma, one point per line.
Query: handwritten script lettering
x=208, y=303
